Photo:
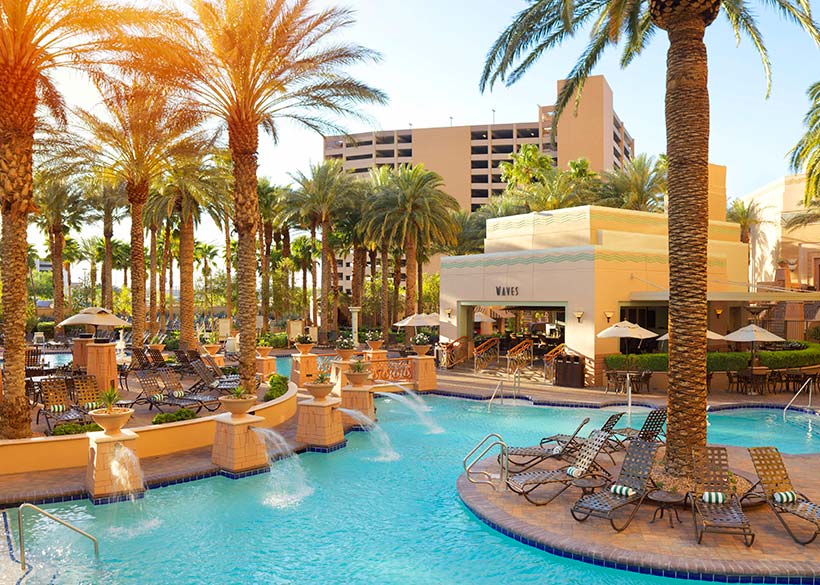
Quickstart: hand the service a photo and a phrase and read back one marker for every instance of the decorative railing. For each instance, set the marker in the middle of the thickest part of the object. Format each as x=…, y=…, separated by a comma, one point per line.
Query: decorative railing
x=324, y=363
x=519, y=356
x=549, y=361
x=454, y=353
x=485, y=354
x=391, y=370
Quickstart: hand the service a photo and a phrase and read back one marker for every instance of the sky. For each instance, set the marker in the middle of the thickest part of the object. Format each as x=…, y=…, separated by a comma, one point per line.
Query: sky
x=432, y=53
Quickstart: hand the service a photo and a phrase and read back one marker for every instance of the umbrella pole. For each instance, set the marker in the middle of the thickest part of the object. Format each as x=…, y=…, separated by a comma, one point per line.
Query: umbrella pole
x=628, y=399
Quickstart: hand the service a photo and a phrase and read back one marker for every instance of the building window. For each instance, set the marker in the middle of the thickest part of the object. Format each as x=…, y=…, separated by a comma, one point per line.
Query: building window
x=479, y=164
x=480, y=179
x=502, y=149
x=408, y=152
x=339, y=263
x=384, y=139
x=405, y=138
x=502, y=134
x=385, y=153
x=474, y=193
x=478, y=150
x=347, y=277
x=527, y=133
x=478, y=135
x=360, y=156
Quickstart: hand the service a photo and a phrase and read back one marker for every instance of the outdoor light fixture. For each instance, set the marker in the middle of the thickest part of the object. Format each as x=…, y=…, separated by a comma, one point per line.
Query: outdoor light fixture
x=448, y=311
x=578, y=315
x=718, y=313
x=608, y=315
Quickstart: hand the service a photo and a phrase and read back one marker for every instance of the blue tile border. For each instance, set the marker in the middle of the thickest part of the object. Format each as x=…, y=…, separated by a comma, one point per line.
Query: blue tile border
x=646, y=570
x=117, y=498
x=243, y=474
x=330, y=449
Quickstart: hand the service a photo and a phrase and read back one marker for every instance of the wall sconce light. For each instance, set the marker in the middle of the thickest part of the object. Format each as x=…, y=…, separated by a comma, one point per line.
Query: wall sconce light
x=609, y=315
x=578, y=315
x=448, y=311
x=718, y=313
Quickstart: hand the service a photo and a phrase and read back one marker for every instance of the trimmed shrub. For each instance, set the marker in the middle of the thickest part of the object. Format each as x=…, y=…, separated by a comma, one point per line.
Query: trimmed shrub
x=169, y=417
x=789, y=358
x=275, y=340
x=278, y=386
x=47, y=328
x=75, y=429
x=653, y=362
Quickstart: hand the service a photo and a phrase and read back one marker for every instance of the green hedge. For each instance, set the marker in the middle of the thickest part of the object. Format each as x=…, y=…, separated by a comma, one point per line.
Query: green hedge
x=47, y=328
x=278, y=387
x=169, y=417
x=75, y=429
x=721, y=361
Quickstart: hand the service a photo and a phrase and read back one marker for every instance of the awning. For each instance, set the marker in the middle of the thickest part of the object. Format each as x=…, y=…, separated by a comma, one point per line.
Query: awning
x=730, y=296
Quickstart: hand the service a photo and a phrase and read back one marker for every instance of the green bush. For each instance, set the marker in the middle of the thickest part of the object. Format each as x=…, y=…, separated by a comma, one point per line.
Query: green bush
x=791, y=358
x=278, y=386
x=172, y=341
x=275, y=340
x=169, y=417
x=47, y=328
x=75, y=429
x=653, y=362
x=813, y=334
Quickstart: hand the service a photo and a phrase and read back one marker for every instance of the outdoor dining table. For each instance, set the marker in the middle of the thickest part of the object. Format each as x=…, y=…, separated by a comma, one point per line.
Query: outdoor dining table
x=755, y=379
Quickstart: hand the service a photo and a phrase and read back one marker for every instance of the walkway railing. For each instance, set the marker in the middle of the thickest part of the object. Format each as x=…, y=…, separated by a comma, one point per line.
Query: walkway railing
x=498, y=480
x=810, y=383
x=391, y=370
x=52, y=517
x=485, y=354
x=454, y=353
x=519, y=356
x=549, y=361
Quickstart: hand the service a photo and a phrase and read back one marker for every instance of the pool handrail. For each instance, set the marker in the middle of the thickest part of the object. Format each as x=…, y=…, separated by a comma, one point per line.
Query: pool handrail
x=810, y=383
x=485, y=476
x=52, y=517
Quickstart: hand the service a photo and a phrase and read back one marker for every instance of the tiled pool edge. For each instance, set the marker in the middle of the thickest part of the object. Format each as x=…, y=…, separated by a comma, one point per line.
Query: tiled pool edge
x=568, y=548
x=10, y=547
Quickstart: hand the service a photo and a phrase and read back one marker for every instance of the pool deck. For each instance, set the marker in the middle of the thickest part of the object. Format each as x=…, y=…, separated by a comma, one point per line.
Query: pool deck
x=657, y=548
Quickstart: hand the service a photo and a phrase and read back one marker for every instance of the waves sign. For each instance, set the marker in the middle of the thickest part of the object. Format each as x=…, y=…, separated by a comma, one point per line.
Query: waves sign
x=506, y=291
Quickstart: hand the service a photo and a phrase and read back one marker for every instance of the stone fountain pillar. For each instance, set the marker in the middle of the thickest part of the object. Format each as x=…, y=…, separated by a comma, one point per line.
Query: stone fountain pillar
x=237, y=449
x=319, y=424
x=304, y=369
x=102, y=364
x=358, y=398
x=104, y=481
x=423, y=369
x=79, y=352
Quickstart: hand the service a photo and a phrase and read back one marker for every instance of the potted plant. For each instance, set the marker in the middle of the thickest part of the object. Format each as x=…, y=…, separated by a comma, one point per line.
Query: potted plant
x=420, y=343
x=211, y=342
x=320, y=387
x=345, y=348
x=358, y=374
x=374, y=339
x=237, y=402
x=304, y=343
x=111, y=418
x=263, y=346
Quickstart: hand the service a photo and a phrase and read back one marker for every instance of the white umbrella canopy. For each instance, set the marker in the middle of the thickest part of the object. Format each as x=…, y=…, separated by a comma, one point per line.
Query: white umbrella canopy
x=626, y=329
x=709, y=335
x=752, y=334
x=96, y=316
x=482, y=318
x=418, y=320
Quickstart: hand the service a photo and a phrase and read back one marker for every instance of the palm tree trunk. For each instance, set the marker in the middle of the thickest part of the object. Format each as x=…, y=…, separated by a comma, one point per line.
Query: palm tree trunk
x=359, y=268
x=92, y=275
x=326, y=282
x=304, y=291
x=166, y=254
x=333, y=322
x=420, y=280
x=243, y=142
x=314, y=306
x=187, y=333
x=410, y=284
x=373, y=253
x=125, y=275
x=171, y=287
x=106, y=283
x=394, y=304
x=137, y=195
x=263, y=253
x=385, y=312
x=152, y=295
x=56, y=241
x=687, y=128
x=228, y=255
x=70, y=301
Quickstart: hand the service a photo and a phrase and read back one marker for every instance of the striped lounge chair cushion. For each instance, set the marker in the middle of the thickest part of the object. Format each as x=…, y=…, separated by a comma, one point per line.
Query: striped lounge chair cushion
x=622, y=490
x=557, y=449
x=574, y=471
x=57, y=408
x=178, y=394
x=784, y=497
x=91, y=405
x=158, y=397
x=713, y=497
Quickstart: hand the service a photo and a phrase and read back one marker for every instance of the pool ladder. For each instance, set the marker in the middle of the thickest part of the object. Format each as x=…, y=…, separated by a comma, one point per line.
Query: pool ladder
x=810, y=384
x=486, y=445
x=52, y=517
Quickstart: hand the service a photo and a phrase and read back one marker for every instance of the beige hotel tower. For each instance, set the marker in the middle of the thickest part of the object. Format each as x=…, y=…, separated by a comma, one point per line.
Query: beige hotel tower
x=467, y=157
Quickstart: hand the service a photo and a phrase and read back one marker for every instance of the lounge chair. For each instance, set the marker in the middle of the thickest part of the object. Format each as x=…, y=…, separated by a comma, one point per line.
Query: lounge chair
x=651, y=430
x=208, y=381
x=611, y=446
x=584, y=466
x=171, y=382
x=157, y=359
x=629, y=489
x=211, y=363
x=715, y=505
x=57, y=406
x=158, y=396
x=86, y=394
x=526, y=457
x=780, y=494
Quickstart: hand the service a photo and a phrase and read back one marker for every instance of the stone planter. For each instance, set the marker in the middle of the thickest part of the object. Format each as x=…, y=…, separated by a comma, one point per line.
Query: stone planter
x=263, y=351
x=157, y=346
x=238, y=406
x=211, y=348
x=375, y=345
x=357, y=379
x=319, y=391
x=421, y=349
x=113, y=421
x=345, y=354
x=304, y=348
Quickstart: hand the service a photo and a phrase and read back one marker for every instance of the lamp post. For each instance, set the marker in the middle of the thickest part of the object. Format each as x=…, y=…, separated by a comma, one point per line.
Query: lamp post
x=354, y=319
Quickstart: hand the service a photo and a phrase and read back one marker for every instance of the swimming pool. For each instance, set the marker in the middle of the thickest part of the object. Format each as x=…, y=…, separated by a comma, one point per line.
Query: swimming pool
x=356, y=519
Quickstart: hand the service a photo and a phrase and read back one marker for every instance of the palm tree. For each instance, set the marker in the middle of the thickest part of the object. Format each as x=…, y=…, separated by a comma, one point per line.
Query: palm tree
x=640, y=185
x=121, y=258
x=415, y=211
x=250, y=63
x=93, y=251
x=304, y=251
x=268, y=202
x=205, y=255
x=323, y=194
x=749, y=214
x=108, y=203
x=805, y=156
x=62, y=208
x=142, y=128
x=72, y=253
x=544, y=25
x=37, y=38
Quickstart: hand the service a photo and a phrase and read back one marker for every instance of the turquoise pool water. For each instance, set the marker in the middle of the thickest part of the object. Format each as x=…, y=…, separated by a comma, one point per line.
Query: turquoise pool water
x=356, y=518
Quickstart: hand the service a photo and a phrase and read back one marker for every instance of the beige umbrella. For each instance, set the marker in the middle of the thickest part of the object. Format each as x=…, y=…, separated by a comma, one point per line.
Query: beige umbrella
x=752, y=334
x=96, y=316
x=626, y=329
x=482, y=318
x=419, y=320
x=709, y=335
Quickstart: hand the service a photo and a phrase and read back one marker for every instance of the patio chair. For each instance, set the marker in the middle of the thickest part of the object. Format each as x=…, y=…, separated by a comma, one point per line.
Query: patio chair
x=208, y=381
x=611, y=446
x=86, y=394
x=525, y=457
x=629, y=489
x=781, y=496
x=651, y=430
x=584, y=466
x=158, y=396
x=715, y=506
x=158, y=360
x=171, y=382
x=57, y=406
x=34, y=357
x=211, y=363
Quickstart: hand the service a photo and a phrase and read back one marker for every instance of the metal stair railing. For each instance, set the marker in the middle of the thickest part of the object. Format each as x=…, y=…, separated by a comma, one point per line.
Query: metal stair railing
x=52, y=517
x=485, y=354
x=549, y=361
x=810, y=384
x=519, y=356
x=480, y=476
x=455, y=352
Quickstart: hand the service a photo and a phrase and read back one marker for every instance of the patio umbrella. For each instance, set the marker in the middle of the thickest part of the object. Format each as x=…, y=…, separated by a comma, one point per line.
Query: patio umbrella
x=626, y=329
x=752, y=334
x=418, y=320
x=710, y=335
x=96, y=316
x=482, y=318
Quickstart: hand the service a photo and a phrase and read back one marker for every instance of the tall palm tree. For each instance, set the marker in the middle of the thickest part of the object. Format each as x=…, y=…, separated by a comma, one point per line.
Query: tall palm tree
x=141, y=128
x=250, y=63
x=121, y=258
x=543, y=25
x=805, y=156
x=639, y=185
x=304, y=252
x=108, y=204
x=72, y=253
x=749, y=214
x=62, y=208
x=36, y=39
x=93, y=251
x=268, y=202
x=205, y=255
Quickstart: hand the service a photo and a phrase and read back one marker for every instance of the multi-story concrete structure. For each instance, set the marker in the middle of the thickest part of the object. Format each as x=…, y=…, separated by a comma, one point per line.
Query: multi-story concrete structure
x=468, y=157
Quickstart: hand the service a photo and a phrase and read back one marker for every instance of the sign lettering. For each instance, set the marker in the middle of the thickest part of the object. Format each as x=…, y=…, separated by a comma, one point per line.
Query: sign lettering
x=506, y=291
